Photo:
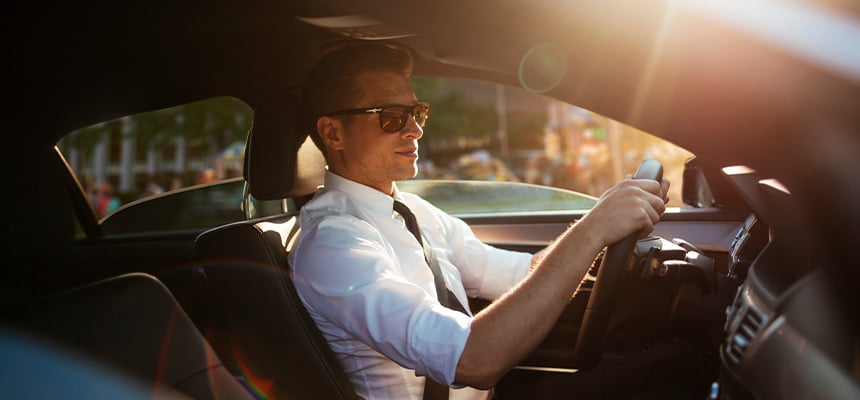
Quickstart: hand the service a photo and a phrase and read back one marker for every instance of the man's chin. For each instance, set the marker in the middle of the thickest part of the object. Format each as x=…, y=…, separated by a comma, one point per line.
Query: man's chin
x=407, y=173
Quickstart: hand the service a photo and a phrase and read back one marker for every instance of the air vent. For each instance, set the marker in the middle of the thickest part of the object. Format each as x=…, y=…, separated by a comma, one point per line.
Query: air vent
x=738, y=341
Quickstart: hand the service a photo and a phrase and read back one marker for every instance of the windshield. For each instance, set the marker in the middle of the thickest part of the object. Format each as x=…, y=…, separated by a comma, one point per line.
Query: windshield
x=486, y=149
x=490, y=132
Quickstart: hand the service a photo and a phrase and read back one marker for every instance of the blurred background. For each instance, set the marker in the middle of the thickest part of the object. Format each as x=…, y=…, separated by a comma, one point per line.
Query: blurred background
x=476, y=131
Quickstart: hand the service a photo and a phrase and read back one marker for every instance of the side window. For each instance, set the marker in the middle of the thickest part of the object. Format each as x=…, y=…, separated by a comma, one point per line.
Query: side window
x=483, y=131
x=169, y=169
x=193, y=208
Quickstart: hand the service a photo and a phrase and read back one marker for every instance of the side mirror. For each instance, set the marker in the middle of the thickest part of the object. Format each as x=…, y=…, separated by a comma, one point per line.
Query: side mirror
x=695, y=191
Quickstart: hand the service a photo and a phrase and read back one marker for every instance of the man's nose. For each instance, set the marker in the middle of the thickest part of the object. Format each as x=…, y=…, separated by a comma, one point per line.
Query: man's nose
x=412, y=130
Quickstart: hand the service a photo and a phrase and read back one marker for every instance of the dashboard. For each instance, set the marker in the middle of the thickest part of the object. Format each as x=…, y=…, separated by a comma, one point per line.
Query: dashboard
x=778, y=331
x=785, y=334
x=793, y=345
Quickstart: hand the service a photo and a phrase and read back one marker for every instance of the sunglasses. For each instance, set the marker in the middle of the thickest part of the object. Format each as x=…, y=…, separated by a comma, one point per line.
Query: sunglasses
x=393, y=117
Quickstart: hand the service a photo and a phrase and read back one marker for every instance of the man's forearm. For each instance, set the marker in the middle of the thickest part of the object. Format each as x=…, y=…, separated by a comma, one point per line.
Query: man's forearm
x=509, y=329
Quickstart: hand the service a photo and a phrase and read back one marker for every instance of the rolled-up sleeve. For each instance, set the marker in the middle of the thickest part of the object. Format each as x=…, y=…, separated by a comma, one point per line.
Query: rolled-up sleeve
x=348, y=276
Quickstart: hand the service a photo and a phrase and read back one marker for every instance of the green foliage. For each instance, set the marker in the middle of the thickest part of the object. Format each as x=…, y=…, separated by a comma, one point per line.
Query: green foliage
x=453, y=115
x=457, y=113
x=525, y=129
x=213, y=123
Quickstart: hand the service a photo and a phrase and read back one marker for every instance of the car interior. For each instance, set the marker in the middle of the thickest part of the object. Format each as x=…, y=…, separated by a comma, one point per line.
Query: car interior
x=755, y=274
x=258, y=332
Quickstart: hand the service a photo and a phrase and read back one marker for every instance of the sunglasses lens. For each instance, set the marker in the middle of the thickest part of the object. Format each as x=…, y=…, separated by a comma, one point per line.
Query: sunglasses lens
x=420, y=113
x=393, y=119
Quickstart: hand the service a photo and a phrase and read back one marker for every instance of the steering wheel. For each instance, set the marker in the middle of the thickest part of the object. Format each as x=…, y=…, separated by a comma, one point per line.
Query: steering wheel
x=617, y=260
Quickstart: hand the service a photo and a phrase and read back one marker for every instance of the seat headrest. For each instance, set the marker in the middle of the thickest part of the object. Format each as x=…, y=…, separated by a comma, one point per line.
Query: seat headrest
x=281, y=161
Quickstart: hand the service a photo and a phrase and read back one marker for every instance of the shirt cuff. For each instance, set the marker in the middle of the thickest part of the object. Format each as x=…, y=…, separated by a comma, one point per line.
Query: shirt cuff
x=440, y=347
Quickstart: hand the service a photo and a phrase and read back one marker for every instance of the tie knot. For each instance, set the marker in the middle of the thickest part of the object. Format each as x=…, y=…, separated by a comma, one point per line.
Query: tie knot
x=402, y=208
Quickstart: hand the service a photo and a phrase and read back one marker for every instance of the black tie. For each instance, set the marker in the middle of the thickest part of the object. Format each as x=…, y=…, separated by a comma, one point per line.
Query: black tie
x=432, y=389
x=446, y=297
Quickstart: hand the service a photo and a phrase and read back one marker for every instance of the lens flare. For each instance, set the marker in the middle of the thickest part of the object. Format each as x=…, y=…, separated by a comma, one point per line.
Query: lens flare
x=262, y=387
x=542, y=68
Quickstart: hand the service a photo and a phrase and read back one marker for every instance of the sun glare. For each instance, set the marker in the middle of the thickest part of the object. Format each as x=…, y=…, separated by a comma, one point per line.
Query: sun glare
x=812, y=32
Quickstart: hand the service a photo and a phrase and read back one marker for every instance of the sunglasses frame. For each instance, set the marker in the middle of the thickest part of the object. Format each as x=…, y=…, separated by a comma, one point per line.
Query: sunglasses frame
x=410, y=110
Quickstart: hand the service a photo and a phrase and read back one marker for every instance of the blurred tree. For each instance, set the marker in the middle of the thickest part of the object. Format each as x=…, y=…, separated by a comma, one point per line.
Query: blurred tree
x=454, y=116
x=206, y=126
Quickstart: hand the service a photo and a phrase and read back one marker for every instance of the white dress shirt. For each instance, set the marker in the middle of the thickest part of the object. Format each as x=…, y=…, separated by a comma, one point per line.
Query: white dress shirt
x=364, y=280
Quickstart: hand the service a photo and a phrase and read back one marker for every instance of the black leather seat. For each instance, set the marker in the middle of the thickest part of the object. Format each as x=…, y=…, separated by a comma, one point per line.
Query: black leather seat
x=248, y=307
x=134, y=324
x=129, y=327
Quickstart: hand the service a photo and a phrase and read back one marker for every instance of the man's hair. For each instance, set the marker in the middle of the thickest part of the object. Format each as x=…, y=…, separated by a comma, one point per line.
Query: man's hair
x=332, y=83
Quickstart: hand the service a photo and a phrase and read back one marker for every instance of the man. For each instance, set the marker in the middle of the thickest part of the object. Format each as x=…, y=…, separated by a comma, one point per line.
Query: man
x=365, y=279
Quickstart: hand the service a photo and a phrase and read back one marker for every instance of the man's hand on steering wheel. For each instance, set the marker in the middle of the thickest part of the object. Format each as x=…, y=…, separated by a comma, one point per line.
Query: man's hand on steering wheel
x=623, y=214
x=632, y=206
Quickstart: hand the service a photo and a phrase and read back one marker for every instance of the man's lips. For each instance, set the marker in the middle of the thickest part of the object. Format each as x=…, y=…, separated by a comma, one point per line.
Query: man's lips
x=408, y=152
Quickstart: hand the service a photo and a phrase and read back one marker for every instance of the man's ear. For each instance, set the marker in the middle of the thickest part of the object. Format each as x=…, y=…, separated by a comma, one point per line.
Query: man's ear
x=331, y=132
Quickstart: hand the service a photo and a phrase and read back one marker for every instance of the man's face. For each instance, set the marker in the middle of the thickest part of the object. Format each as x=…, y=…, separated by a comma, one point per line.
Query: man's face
x=368, y=154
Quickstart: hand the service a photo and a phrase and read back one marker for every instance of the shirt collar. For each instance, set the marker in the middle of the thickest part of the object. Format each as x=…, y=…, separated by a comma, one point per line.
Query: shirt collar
x=364, y=196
